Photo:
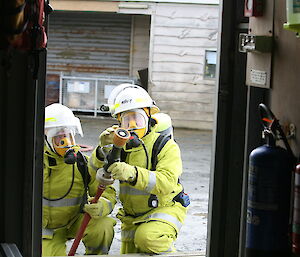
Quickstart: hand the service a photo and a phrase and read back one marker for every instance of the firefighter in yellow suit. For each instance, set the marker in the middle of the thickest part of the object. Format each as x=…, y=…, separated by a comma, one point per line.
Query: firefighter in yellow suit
x=65, y=192
x=151, y=218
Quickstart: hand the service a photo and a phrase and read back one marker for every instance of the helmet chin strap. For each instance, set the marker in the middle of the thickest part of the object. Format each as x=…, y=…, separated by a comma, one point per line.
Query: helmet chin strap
x=149, y=120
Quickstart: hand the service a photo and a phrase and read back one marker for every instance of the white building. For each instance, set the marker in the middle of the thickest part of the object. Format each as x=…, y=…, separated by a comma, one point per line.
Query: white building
x=175, y=40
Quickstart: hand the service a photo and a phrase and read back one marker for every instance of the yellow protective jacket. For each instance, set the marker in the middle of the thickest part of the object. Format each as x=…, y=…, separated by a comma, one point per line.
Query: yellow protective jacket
x=59, y=178
x=162, y=182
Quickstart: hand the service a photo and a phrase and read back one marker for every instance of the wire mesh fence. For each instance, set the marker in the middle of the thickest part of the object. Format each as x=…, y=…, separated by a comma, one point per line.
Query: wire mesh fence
x=88, y=93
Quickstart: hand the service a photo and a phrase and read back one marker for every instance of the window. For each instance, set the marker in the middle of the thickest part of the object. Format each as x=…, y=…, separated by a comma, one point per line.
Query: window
x=210, y=64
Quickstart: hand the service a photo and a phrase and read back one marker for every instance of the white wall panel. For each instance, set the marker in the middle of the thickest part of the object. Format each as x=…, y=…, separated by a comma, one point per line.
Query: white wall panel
x=180, y=35
x=140, y=44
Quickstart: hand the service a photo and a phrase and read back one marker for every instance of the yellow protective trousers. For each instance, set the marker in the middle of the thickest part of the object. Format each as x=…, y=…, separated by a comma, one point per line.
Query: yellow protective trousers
x=149, y=237
x=97, y=237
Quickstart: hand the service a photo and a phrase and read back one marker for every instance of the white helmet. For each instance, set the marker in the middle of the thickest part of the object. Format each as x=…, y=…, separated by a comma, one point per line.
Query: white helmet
x=126, y=97
x=60, y=128
x=58, y=115
x=114, y=93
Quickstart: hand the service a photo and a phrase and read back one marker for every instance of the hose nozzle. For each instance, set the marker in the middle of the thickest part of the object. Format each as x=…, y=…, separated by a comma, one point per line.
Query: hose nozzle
x=121, y=136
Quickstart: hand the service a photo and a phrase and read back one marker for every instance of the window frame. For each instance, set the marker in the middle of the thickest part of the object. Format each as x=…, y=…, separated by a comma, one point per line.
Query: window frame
x=205, y=64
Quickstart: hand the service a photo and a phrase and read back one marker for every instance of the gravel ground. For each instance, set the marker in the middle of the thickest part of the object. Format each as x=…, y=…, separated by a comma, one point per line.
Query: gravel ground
x=195, y=148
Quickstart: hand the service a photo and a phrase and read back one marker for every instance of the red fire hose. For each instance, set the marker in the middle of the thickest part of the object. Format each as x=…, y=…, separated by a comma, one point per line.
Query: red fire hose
x=120, y=138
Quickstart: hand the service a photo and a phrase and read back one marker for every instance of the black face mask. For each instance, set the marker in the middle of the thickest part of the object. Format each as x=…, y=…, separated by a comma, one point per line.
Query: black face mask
x=70, y=156
x=133, y=141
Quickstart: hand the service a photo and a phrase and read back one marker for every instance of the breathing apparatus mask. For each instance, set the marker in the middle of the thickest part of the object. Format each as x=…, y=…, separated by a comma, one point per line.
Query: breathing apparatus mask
x=136, y=122
x=61, y=140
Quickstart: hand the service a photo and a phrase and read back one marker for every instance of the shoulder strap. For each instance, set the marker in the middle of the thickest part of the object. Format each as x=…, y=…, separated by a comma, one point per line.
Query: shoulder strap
x=83, y=168
x=158, y=145
x=86, y=177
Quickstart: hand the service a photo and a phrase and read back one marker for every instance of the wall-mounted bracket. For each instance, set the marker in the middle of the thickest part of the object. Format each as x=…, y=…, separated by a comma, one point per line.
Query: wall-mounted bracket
x=253, y=43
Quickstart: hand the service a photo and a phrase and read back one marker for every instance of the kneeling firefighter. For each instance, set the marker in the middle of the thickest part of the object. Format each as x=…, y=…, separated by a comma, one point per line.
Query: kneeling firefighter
x=152, y=212
x=68, y=182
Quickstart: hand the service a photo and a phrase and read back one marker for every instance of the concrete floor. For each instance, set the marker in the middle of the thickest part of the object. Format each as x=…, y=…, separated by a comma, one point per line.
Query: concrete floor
x=195, y=148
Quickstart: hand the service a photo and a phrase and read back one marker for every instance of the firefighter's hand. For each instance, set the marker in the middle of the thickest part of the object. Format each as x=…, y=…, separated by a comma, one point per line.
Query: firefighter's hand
x=106, y=137
x=123, y=171
x=95, y=210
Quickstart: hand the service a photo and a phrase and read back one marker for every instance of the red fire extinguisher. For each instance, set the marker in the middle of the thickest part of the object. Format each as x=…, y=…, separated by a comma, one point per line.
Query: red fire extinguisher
x=269, y=193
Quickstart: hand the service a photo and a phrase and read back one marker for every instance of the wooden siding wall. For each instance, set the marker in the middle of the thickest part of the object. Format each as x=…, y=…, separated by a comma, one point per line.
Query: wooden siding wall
x=140, y=44
x=180, y=35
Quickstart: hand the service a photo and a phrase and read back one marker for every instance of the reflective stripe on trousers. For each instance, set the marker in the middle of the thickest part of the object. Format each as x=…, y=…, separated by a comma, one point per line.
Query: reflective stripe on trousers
x=103, y=249
x=166, y=217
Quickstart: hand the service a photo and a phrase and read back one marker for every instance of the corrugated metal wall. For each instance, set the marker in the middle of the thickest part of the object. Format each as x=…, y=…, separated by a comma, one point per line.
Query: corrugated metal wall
x=89, y=42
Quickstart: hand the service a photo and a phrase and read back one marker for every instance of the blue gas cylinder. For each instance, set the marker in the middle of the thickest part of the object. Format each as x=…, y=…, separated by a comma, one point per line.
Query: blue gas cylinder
x=268, y=203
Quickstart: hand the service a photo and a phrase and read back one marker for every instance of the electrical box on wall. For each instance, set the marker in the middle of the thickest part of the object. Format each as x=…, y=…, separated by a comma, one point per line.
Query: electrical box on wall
x=258, y=44
x=293, y=15
x=253, y=8
x=252, y=43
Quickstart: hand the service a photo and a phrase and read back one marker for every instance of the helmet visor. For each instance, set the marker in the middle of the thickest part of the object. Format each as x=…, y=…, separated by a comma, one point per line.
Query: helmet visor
x=61, y=139
x=133, y=120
